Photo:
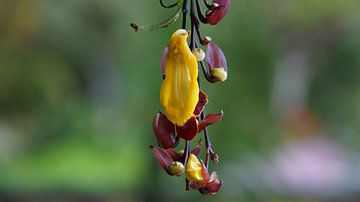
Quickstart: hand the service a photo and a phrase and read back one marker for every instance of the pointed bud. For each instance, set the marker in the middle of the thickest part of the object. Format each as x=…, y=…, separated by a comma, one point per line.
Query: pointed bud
x=199, y=54
x=219, y=73
x=217, y=62
x=176, y=168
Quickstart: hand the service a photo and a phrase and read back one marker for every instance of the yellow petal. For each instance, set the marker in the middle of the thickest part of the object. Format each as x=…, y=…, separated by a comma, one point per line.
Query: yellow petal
x=179, y=91
x=194, y=170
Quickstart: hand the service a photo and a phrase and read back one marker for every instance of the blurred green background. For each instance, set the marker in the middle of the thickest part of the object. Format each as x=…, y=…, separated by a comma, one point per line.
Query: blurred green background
x=79, y=89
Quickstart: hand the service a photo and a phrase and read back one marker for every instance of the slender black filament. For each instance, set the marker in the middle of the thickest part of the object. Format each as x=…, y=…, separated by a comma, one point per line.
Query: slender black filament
x=168, y=6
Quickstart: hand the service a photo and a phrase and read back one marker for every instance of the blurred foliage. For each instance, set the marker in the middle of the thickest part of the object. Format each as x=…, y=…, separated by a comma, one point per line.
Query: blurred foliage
x=79, y=89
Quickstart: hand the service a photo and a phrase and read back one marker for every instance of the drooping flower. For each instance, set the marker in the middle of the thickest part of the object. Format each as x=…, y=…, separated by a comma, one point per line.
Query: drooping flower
x=183, y=103
x=179, y=92
x=199, y=177
x=195, y=171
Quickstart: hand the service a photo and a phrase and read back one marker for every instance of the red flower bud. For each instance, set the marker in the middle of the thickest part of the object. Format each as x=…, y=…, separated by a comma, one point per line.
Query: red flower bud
x=218, y=11
x=217, y=62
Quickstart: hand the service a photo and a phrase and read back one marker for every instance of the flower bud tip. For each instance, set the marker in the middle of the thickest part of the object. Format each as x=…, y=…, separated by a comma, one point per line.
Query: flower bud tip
x=199, y=54
x=219, y=73
x=176, y=168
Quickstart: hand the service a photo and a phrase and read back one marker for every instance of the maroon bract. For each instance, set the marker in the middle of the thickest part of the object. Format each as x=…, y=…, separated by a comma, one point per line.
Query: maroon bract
x=189, y=130
x=163, y=157
x=210, y=119
x=164, y=131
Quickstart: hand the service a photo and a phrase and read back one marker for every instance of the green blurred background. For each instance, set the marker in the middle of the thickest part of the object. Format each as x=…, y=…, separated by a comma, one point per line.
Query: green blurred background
x=79, y=89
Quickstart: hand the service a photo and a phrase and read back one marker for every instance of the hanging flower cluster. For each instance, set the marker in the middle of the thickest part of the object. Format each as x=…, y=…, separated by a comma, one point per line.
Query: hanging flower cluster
x=183, y=102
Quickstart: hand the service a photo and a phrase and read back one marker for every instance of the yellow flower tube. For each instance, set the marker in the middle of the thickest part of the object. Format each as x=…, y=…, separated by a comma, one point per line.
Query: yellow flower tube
x=179, y=91
x=194, y=170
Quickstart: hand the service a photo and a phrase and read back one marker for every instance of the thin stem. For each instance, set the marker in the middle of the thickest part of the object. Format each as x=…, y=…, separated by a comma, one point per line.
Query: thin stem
x=184, y=11
x=186, y=157
x=207, y=4
x=198, y=32
x=207, y=142
x=200, y=13
x=208, y=77
x=168, y=6
x=192, y=14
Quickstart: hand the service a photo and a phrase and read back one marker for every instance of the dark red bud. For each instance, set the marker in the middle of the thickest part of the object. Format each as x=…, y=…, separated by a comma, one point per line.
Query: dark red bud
x=210, y=119
x=203, y=100
x=189, y=130
x=165, y=131
x=216, y=13
x=215, y=57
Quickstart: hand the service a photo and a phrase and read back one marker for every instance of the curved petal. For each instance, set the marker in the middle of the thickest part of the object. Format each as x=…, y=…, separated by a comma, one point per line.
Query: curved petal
x=163, y=158
x=210, y=119
x=203, y=100
x=165, y=131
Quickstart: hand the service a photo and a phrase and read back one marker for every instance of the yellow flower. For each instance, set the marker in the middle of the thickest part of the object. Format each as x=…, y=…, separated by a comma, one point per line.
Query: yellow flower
x=194, y=170
x=179, y=91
